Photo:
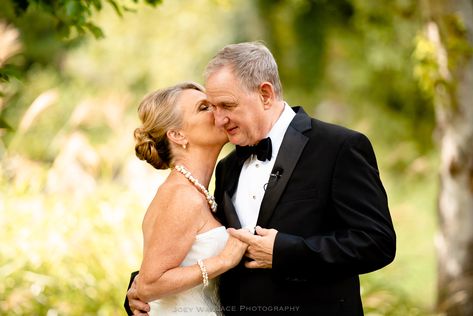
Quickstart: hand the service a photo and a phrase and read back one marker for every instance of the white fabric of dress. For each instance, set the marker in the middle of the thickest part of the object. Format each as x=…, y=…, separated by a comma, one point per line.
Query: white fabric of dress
x=197, y=300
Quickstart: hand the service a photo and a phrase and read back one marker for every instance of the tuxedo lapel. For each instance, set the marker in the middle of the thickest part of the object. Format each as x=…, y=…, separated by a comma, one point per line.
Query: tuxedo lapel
x=289, y=153
x=230, y=187
x=230, y=212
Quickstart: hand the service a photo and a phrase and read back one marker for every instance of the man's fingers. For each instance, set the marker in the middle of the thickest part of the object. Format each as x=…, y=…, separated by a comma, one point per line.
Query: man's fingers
x=139, y=306
x=242, y=234
x=252, y=264
x=249, y=255
x=135, y=303
x=261, y=231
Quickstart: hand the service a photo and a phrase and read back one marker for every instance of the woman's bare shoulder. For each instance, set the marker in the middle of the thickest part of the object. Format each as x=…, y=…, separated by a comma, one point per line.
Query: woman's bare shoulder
x=178, y=197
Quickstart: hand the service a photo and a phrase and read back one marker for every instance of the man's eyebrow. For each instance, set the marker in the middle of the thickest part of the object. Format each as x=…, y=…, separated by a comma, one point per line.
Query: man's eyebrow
x=226, y=103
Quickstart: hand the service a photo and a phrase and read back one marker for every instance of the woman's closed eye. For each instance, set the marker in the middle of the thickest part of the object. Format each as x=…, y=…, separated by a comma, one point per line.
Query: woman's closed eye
x=205, y=107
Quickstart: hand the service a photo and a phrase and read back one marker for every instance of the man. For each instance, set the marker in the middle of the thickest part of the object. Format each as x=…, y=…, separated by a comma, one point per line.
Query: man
x=311, y=192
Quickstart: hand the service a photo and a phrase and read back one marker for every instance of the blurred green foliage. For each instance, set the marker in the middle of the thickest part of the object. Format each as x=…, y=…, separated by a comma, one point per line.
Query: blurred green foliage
x=73, y=194
x=355, y=53
x=47, y=30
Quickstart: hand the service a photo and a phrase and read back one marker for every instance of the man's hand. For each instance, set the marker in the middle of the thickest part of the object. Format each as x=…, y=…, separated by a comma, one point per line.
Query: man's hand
x=260, y=247
x=137, y=307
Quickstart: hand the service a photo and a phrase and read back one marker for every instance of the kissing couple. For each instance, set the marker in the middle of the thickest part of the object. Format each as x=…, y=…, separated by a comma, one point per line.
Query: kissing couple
x=298, y=213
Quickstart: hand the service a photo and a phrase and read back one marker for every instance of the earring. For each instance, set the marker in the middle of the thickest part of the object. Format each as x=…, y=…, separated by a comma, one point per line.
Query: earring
x=184, y=146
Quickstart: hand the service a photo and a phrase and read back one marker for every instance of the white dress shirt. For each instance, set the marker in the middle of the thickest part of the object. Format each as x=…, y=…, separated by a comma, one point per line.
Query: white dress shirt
x=255, y=174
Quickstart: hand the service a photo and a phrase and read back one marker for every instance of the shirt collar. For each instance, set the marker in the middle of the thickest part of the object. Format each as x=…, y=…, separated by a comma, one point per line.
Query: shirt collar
x=279, y=129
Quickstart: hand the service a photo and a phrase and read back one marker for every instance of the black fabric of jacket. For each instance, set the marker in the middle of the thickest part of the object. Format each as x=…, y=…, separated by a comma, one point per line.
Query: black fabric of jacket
x=331, y=212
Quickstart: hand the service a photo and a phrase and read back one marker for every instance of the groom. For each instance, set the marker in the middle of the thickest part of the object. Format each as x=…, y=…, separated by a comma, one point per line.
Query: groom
x=310, y=190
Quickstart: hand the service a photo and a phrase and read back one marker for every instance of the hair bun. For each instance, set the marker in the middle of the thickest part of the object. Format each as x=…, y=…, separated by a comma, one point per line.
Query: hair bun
x=147, y=149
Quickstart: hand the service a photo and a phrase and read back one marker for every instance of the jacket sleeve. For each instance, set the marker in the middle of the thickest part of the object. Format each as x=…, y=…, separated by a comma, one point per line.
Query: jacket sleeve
x=218, y=193
x=363, y=240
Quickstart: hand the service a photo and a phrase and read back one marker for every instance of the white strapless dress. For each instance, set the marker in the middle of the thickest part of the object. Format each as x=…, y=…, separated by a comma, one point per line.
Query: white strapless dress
x=197, y=300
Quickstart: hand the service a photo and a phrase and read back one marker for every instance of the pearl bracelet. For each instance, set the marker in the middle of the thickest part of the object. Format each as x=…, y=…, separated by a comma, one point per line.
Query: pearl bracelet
x=203, y=269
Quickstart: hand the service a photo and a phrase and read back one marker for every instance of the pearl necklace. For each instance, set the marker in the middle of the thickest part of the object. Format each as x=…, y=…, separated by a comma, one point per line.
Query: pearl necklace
x=210, y=198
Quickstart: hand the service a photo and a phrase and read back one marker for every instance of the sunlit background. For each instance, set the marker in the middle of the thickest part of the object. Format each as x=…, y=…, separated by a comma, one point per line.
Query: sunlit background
x=73, y=194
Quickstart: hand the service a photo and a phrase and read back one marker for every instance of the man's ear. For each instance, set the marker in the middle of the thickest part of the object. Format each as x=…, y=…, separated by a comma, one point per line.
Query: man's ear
x=177, y=137
x=266, y=91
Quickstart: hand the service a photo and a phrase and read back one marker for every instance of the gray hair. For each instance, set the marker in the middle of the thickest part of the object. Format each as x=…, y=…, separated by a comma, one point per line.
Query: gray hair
x=251, y=62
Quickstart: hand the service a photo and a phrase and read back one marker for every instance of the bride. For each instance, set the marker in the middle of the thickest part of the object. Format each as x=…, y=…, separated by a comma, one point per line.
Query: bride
x=185, y=247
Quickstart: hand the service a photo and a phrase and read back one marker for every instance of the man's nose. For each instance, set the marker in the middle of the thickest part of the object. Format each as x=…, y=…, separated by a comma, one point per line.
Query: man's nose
x=220, y=118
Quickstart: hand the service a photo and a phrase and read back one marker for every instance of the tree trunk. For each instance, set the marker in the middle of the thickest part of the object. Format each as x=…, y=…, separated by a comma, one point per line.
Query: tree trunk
x=450, y=31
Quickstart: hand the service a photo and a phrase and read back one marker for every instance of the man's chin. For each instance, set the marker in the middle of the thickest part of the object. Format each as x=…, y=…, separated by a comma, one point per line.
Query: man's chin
x=234, y=140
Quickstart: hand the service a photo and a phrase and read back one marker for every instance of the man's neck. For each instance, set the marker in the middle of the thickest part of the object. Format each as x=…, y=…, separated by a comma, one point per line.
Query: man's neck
x=276, y=110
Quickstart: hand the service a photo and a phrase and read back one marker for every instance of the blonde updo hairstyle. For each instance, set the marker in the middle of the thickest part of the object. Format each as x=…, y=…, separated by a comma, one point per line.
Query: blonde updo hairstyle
x=158, y=114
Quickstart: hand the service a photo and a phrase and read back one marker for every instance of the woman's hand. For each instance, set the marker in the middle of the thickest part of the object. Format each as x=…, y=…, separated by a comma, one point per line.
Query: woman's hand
x=233, y=252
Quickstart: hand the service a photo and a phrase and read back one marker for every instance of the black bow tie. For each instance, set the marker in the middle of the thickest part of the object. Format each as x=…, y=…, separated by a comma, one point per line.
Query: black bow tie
x=262, y=150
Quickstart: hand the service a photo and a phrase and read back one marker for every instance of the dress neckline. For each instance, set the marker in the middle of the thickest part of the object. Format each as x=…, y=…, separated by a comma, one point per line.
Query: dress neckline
x=208, y=232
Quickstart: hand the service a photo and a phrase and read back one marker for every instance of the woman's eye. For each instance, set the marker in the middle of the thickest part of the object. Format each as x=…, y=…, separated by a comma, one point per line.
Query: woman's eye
x=206, y=107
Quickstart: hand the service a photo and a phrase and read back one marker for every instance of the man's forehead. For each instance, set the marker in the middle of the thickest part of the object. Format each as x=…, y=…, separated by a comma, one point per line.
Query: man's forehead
x=219, y=78
x=223, y=90
x=221, y=97
x=216, y=90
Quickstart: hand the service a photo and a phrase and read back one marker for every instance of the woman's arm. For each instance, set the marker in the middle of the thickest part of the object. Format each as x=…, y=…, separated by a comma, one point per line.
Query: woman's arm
x=179, y=279
x=168, y=240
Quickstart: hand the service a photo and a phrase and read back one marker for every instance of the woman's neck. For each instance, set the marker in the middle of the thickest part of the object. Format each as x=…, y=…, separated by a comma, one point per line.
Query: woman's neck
x=200, y=164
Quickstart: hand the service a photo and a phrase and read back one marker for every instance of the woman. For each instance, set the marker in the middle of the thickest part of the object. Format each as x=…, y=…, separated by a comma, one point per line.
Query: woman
x=185, y=247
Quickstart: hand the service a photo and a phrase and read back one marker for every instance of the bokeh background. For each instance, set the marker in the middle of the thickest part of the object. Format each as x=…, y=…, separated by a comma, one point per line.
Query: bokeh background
x=72, y=192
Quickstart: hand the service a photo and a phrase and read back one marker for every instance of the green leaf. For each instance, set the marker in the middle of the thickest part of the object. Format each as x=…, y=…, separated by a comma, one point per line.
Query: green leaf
x=153, y=2
x=127, y=9
x=4, y=77
x=8, y=71
x=95, y=30
x=73, y=9
x=97, y=4
x=116, y=7
x=4, y=124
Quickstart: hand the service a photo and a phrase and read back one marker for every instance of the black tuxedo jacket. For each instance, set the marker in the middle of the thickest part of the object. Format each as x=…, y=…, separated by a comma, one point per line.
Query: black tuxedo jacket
x=331, y=212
